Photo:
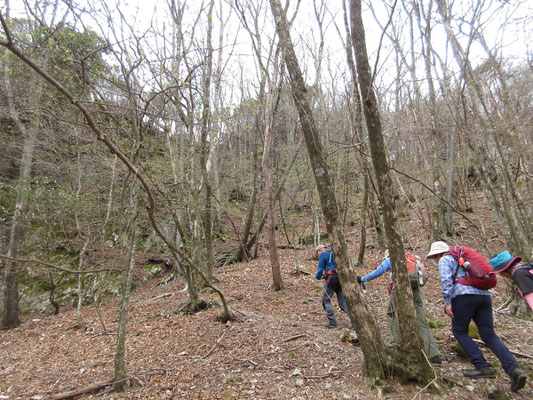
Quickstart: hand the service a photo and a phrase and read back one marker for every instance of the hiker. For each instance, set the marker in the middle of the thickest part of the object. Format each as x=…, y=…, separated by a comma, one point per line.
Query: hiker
x=328, y=270
x=506, y=265
x=464, y=303
x=430, y=345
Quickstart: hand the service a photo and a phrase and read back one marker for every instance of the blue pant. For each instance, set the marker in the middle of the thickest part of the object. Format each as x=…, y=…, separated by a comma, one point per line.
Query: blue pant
x=328, y=307
x=478, y=307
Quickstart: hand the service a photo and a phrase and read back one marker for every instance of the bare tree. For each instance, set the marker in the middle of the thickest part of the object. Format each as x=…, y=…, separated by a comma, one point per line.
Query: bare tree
x=366, y=328
x=410, y=343
x=29, y=131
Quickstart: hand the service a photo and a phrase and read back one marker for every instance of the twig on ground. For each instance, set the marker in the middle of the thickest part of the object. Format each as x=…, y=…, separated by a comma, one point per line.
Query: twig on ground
x=215, y=345
x=505, y=304
x=95, y=387
x=332, y=373
x=295, y=337
x=419, y=393
x=250, y=361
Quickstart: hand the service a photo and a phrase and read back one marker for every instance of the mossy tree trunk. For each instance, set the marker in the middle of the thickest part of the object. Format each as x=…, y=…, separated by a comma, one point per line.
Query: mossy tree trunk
x=375, y=357
x=410, y=346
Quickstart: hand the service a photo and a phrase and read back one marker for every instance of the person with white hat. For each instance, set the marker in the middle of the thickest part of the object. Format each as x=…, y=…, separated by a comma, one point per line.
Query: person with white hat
x=328, y=269
x=464, y=303
x=508, y=266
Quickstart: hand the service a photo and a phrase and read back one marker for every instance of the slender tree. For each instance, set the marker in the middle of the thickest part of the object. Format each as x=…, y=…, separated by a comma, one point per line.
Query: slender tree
x=410, y=343
x=371, y=342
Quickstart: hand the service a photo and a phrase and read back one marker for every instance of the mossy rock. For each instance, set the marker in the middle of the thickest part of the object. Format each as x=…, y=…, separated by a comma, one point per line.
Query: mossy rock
x=154, y=270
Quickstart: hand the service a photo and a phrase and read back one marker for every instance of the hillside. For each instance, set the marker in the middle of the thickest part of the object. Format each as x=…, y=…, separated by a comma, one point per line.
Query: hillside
x=277, y=349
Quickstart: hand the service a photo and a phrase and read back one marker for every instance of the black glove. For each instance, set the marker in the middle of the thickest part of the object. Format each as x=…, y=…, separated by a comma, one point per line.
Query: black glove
x=359, y=280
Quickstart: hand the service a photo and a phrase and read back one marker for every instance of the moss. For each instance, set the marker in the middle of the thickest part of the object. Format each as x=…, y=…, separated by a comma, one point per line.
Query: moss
x=473, y=331
x=39, y=285
x=235, y=379
x=228, y=394
x=154, y=270
x=458, y=350
x=435, y=323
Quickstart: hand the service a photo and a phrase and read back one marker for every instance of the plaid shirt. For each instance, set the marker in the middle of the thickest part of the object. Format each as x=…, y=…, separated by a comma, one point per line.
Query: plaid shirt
x=447, y=267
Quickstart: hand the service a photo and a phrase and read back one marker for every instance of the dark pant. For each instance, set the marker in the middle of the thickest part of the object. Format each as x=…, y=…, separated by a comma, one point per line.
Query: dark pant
x=329, y=290
x=478, y=307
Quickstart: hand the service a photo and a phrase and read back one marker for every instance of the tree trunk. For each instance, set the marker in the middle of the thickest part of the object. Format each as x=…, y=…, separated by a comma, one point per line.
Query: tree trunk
x=271, y=106
x=204, y=156
x=410, y=343
x=11, y=318
x=375, y=359
x=121, y=377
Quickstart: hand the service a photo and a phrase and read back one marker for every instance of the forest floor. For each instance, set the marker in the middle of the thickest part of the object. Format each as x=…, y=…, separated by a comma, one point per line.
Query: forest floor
x=278, y=348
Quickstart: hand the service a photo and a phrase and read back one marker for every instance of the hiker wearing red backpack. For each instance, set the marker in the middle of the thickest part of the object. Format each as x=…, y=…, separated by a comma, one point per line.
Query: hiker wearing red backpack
x=465, y=280
x=522, y=274
x=430, y=345
x=328, y=269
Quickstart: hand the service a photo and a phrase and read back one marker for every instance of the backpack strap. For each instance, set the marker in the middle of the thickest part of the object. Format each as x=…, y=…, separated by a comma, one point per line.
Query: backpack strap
x=332, y=271
x=525, y=266
x=459, y=251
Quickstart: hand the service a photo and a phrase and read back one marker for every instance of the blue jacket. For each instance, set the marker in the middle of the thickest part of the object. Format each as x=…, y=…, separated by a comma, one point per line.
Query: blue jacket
x=325, y=263
x=383, y=267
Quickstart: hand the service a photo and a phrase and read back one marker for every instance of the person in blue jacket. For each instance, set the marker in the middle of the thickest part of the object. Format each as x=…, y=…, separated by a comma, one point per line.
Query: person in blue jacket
x=430, y=345
x=327, y=269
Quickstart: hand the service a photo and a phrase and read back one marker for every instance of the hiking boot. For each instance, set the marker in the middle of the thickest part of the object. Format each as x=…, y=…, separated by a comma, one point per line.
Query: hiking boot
x=479, y=373
x=390, y=345
x=330, y=325
x=518, y=379
x=436, y=360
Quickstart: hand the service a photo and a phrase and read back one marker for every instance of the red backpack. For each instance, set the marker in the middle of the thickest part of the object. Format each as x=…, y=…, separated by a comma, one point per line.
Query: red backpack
x=477, y=269
x=416, y=270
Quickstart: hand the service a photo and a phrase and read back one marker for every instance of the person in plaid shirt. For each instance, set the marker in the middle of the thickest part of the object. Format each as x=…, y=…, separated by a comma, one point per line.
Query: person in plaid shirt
x=463, y=303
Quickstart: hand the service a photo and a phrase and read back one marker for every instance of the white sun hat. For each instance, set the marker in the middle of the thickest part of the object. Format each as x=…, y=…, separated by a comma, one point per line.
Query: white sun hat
x=437, y=248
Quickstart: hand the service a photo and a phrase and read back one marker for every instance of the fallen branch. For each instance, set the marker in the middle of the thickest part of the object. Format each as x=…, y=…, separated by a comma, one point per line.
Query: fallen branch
x=505, y=304
x=250, y=361
x=419, y=393
x=96, y=387
x=332, y=373
x=89, y=271
x=295, y=337
x=215, y=345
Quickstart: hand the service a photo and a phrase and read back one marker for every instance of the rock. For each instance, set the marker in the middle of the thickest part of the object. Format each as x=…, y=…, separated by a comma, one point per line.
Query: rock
x=299, y=382
x=493, y=392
